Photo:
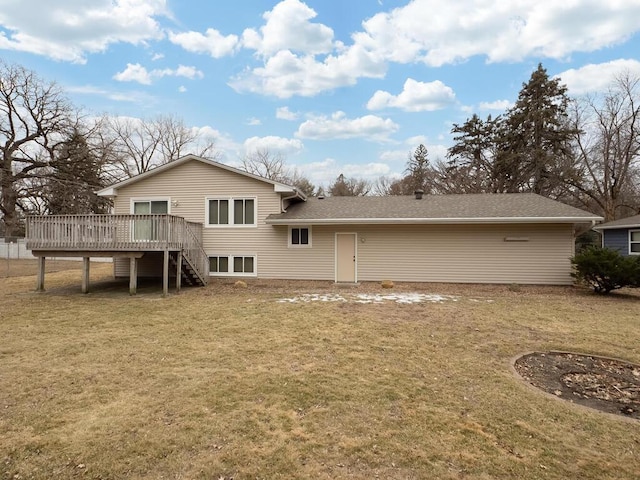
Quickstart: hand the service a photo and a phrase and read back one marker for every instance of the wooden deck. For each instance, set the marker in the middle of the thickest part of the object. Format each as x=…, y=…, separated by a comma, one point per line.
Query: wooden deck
x=128, y=236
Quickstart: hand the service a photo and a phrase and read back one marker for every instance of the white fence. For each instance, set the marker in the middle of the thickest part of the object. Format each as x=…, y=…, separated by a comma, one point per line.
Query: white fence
x=17, y=250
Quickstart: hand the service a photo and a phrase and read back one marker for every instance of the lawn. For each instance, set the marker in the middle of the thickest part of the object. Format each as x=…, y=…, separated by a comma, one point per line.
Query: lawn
x=222, y=382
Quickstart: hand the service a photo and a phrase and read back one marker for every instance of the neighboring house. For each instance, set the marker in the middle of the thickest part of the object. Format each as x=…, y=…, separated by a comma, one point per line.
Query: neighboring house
x=254, y=227
x=622, y=235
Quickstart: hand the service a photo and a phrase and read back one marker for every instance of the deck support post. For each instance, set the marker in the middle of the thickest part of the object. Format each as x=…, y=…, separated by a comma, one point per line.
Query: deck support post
x=85, y=274
x=178, y=270
x=165, y=274
x=133, y=275
x=40, y=284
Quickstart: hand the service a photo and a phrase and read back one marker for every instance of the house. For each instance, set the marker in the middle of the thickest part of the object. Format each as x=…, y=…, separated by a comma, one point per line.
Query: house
x=241, y=225
x=622, y=235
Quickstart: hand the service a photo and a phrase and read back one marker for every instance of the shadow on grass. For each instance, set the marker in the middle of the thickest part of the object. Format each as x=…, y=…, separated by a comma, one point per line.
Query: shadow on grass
x=116, y=287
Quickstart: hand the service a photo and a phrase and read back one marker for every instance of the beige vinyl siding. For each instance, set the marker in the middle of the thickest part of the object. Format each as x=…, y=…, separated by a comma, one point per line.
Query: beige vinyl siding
x=421, y=253
x=308, y=263
x=189, y=185
x=467, y=254
x=436, y=253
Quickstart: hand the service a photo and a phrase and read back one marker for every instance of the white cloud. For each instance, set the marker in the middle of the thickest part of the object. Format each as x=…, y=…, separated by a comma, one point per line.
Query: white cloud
x=137, y=73
x=439, y=32
x=133, y=97
x=224, y=144
x=499, y=105
x=212, y=42
x=182, y=89
x=415, y=97
x=304, y=59
x=597, y=77
x=134, y=73
x=286, y=74
x=288, y=27
x=437, y=152
x=417, y=140
x=68, y=30
x=283, y=113
x=395, y=156
x=370, y=127
x=368, y=171
x=285, y=146
x=182, y=71
x=253, y=121
x=157, y=56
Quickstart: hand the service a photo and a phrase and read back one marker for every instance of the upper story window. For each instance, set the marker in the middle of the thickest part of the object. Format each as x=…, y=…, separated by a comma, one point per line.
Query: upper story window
x=300, y=236
x=231, y=211
x=634, y=242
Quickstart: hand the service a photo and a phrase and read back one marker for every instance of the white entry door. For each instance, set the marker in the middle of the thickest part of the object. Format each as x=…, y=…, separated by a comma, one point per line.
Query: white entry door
x=346, y=257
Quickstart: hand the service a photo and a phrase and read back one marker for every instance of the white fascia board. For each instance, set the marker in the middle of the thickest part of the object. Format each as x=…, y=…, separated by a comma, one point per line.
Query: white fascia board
x=107, y=192
x=614, y=227
x=281, y=188
x=433, y=221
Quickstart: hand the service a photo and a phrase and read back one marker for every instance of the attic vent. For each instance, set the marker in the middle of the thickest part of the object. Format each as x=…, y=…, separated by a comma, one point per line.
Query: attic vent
x=418, y=194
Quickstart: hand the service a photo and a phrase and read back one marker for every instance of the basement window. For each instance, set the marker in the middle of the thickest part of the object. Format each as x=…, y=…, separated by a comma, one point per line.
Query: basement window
x=232, y=265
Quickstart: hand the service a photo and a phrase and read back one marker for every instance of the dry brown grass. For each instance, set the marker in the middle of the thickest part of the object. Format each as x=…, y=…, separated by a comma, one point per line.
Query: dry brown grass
x=225, y=382
x=10, y=267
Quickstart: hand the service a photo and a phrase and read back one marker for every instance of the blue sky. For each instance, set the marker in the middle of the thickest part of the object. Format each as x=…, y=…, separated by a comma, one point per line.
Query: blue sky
x=336, y=86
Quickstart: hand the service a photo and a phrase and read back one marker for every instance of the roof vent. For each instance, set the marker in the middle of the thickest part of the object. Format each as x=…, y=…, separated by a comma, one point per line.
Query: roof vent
x=418, y=194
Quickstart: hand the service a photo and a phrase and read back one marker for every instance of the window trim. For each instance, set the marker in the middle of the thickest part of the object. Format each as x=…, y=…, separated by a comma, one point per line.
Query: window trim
x=633, y=242
x=299, y=245
x=134, y=200
x=231, y=212
x=231, y=257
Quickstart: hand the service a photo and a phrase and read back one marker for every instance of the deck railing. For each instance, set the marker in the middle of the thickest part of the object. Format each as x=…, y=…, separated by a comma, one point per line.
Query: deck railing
x=113, y=233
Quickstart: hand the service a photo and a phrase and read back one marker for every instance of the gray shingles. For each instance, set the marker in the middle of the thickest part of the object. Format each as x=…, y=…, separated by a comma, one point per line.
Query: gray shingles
x=430, y=207
x=623, y=222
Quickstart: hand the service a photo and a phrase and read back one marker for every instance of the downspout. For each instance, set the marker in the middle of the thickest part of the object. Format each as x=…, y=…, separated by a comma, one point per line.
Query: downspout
x=282, y=200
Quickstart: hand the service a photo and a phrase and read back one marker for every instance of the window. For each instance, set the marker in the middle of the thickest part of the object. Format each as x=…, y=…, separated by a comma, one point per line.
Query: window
x=243, y=212
x=218, y=212
x=149, y=228
x=231, y=211
x=218, y=264
x=232, y=265
x=150, y=206
x=300, y=236
x=634, y=242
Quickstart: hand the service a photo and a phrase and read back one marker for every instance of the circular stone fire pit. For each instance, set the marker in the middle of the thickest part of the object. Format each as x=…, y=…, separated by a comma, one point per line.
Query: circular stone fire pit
x=606, y=384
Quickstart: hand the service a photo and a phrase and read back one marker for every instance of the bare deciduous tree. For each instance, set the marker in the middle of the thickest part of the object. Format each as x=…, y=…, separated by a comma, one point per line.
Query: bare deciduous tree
x=349, y=187
x=34, y=116
x=273, y=166
x=140, y=145
x=266, y=164
x=608, y=148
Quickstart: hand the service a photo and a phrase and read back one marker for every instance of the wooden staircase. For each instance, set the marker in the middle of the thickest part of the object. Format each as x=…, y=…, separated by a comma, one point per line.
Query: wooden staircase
x=190, y=274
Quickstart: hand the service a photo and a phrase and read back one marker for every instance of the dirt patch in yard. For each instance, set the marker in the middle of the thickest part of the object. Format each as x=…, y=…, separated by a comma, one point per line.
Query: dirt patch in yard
x=606, y=384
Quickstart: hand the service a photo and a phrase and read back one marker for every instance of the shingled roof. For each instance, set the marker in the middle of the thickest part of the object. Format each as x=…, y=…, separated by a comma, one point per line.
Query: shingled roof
x=467, y=208
x=629, y=222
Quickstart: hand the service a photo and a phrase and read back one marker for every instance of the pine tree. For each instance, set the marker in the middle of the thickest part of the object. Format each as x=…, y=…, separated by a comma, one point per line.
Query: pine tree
x=534, y=147
x=418, y=170
x=472, y=157
x=74, y=178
